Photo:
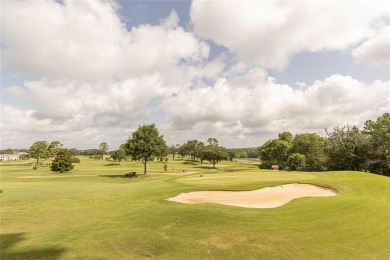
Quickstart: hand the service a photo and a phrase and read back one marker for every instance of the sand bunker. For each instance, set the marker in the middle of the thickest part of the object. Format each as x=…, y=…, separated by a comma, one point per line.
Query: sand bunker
x=270, y=197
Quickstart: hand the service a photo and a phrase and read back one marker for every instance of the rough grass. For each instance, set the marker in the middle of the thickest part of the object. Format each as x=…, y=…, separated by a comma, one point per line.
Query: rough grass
x=90, y=213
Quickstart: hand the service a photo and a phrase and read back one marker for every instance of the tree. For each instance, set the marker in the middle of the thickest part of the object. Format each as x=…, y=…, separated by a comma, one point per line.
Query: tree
x=183, y=150
x=119, y=155
x=191, y=148
x=313, y=147
x=39, y=150
x=274, y=152
x=213, y=152
x=173, y=150
x=379, y=147
x=145, y=144
x=296, y=162
x=7, y=151
x=103, y=147
x=347, y=148
x=53, y=148
x=63, y=161
x=285, y=136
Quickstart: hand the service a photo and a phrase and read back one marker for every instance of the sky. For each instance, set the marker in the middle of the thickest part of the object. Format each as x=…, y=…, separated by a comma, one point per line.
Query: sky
x=90, y=71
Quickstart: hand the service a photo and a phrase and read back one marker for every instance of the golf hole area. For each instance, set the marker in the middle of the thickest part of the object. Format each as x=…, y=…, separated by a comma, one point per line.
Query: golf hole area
x=269, y=197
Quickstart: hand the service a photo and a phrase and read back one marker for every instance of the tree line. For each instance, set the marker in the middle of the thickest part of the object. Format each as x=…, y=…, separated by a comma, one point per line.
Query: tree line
x=344, y=148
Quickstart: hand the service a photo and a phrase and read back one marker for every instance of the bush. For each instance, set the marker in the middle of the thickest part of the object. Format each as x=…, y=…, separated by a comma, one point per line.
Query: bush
x=296, y=162
x=131, y=175
x=75, y=160
x=62, y=162
x=35, y=167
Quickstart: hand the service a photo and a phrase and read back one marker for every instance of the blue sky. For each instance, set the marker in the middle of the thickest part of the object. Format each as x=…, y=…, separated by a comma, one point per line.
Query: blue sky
x=84, y=72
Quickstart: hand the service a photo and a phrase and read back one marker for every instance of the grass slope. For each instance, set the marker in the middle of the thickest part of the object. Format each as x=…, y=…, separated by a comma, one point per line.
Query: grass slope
x=90, y=213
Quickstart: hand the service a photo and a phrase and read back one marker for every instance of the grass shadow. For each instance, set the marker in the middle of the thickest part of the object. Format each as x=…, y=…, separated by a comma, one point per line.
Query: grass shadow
x=112, y=164
x=8, y=241
x=206, y=167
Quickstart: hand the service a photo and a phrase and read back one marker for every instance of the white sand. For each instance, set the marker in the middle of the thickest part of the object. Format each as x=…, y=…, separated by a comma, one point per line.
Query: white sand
x=270, y=197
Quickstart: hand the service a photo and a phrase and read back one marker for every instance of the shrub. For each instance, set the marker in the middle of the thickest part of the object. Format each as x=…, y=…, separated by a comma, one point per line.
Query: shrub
x=131, y=175
x=75, y=160
x=62, y=162
x=296, y=162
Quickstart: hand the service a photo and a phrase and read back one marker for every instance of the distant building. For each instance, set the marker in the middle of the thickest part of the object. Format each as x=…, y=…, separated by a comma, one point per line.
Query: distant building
x=11, y=157
x=275, y=167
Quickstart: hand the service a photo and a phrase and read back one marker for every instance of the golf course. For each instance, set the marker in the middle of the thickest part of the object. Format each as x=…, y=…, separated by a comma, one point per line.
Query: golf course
x=94, y=212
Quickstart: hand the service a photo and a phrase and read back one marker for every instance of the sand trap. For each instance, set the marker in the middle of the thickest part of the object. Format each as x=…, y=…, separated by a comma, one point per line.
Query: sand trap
x=270, y=197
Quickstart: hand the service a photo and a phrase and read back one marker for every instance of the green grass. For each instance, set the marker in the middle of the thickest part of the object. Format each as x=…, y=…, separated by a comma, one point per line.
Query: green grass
x=91, y=214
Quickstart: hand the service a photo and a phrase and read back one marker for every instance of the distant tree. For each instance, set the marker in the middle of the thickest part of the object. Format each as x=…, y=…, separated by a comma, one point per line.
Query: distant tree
x=183, y=150
x=191, y=148
x=53, y=148
x=296, y=162
x=103, y=147
x=145, y=144
x=119, y=155
x=173, y=149
x=39, y=150
x=231, y=154
x=73, y=151
x=7, y=151
x=213, y=152
x=199, y=149
x=63, y=161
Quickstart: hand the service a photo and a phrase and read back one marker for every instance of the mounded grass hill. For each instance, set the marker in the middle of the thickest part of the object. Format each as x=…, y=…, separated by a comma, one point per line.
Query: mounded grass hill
x=94, y=213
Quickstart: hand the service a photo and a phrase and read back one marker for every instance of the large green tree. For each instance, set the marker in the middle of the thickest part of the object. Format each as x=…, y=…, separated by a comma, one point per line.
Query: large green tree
x=312, y=146
x=39, y=150
x=213, y=152
x=379, y=151
x=119, y=155
x=63, y=161
x=145, y=144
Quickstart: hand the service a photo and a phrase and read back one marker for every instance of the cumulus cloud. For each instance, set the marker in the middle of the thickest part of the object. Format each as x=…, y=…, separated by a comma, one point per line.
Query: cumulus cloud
x=262, y=107
x=83, y=40
x=375, y=50
x=268, y=33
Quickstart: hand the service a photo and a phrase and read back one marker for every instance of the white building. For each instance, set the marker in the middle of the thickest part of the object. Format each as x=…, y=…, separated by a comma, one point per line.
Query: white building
x=11, y=157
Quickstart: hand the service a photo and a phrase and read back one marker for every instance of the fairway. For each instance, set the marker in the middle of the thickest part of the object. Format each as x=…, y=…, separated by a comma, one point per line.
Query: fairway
x=94, y=213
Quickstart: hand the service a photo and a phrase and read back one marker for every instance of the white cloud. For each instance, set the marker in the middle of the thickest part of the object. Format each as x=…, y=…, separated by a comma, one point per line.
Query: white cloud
x=375, y=50
x=268, y=33
x=262, y=107
x=84, y=40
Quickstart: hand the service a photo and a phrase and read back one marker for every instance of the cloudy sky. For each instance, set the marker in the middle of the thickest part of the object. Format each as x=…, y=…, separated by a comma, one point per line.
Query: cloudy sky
x=87, y=71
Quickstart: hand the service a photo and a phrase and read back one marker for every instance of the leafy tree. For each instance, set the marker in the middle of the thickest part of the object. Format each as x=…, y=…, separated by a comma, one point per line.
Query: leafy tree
x=296, y=162
x=199, y=149
x=183, y=150
x=63, y=161
x=286, y=136
x=379, y=151
x=191, y=148
x=347, y=148
x=145, y=144
x=7, y=151
x=173, y=150
x=213, y=152
x=53, y=148
x=274, y=152
x=39, y=150
x=103, y=147
x=119, y=155
x=73, y=151
x=313, y=147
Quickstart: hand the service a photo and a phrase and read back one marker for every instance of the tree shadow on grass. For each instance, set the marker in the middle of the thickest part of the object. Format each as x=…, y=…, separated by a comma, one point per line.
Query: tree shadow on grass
x=206, y=167
x=112, y=164
x=8, y=241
